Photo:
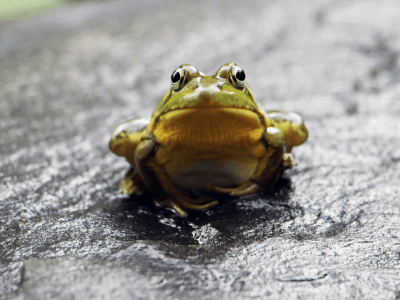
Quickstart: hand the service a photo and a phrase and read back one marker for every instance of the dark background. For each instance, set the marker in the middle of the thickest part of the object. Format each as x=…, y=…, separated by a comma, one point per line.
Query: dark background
x=328, y=230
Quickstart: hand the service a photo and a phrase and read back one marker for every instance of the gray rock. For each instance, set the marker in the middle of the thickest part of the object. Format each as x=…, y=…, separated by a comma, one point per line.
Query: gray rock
x=328, y=230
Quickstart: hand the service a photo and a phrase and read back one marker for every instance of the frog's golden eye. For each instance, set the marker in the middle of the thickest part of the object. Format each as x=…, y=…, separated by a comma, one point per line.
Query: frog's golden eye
x=237, y=77
x=178, y=79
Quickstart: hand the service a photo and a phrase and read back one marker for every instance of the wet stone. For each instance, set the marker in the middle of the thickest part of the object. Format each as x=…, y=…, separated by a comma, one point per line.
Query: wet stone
x=328, y=230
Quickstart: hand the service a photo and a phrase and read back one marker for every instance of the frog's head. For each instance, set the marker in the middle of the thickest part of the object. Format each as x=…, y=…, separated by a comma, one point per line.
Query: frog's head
x=193, y=89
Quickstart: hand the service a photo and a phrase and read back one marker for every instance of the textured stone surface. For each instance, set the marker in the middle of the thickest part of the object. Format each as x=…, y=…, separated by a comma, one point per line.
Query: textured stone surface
x=329, y=229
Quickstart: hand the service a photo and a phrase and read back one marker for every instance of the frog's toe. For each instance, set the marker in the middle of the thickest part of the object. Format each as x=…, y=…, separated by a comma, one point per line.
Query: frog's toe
x=178, y=203
x=201, y=200
x=128, y=187
x=172, y=203
x=243, y=189
x=220, y=190
x=132, y=184
x=251, y=189
x=194, y=204
x=289, y=161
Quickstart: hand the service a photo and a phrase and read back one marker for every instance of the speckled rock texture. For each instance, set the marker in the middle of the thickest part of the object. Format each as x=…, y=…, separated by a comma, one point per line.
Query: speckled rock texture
x=328, y=230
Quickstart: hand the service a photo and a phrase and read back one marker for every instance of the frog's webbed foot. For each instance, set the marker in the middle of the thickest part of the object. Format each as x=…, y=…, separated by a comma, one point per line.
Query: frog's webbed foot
x=177, y=203
x=246, y=188
x=132, y=183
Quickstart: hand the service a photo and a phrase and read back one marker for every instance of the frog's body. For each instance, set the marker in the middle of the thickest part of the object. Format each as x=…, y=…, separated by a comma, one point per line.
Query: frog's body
x=207, y=133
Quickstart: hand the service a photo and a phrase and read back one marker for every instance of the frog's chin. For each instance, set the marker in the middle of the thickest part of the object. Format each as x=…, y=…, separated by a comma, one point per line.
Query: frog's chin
x=196, y=127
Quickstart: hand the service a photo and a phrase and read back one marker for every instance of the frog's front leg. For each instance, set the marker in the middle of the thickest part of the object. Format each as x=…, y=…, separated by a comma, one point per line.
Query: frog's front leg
x=161, y=186
x=124, y=140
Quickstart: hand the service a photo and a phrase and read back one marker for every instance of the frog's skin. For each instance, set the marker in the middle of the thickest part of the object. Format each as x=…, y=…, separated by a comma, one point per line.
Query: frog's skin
x=206, y=133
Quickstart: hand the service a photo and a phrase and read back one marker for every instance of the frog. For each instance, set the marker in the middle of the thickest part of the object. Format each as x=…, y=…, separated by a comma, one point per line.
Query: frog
x=208, y=133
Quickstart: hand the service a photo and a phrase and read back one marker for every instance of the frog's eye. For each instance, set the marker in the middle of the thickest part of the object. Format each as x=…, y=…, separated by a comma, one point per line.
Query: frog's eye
x=178, y=79
x=237, y=77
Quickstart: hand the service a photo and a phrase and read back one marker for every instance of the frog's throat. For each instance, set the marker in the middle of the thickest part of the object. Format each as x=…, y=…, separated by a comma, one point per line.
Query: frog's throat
x=215, y=127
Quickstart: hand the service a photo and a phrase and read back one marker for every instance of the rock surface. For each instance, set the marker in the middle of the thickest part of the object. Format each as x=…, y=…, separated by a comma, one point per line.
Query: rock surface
x=328, y=230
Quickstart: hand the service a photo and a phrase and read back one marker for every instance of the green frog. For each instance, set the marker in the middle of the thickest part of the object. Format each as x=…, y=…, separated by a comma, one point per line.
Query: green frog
x=208, y=133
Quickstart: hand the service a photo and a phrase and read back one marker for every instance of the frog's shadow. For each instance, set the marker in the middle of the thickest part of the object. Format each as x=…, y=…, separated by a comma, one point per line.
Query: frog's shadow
x=260, y=213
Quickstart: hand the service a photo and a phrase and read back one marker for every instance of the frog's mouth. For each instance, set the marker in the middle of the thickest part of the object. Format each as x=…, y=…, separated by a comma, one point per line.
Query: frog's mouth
x=218, y=126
